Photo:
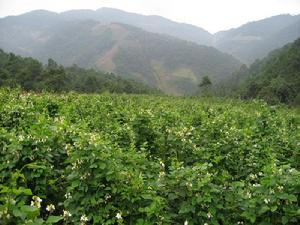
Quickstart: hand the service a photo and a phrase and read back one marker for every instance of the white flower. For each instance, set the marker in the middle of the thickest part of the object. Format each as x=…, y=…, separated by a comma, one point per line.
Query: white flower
x=66, y=214
x=162, y=164
x=291, y=170
x=253, y=176
x=21, y=138
x=188, y=184
x=107, y=197
x=83, y=218
x=205, y=224
x=248, y=194
x=209, y=215
x=68, y=195
x=280, y=188
x=119, y=216
x=267, y=201
x=50, y=208
x=36, y=198
x=161, y=174
x=36, y=202
x=186, y=222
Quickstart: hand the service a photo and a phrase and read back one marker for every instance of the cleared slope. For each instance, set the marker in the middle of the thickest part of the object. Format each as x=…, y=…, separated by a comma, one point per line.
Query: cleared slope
x=173, y=65
x=247, y=42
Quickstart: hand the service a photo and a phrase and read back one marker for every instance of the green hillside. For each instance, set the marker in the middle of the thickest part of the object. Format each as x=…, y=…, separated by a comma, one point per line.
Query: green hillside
x=30, y=74
x=169, y=64
x=275, y=78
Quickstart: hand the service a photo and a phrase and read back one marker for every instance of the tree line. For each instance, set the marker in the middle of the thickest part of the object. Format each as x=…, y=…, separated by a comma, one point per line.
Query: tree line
x=31, y=75
x=276, y=78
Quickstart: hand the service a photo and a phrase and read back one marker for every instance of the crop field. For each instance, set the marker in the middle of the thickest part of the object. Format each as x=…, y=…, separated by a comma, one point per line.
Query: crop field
x=129, y=159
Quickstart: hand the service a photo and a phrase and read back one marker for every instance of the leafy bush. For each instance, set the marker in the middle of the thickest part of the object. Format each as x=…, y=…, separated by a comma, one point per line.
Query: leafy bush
x=119, y=159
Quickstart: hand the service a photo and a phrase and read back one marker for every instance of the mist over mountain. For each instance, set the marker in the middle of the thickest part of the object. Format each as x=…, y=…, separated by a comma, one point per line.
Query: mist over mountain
x=275, y=78
x=155, y=24
x=170, y=64
x=159, y=52
x=256, y=39
x=247, y=42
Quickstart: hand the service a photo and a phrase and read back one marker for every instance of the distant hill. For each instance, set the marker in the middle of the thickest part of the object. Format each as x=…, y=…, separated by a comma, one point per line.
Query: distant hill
x=256, y=39
x=275, y=78
x=119, y=42
x=172, y=65
x=247, y=42
x=155, y=24
x=31, y=75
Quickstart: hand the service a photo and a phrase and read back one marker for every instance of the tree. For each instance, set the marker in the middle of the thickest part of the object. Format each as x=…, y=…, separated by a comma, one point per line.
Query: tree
x=56, y=78
x=205, y=82
x=52, y=65
x=205, y=86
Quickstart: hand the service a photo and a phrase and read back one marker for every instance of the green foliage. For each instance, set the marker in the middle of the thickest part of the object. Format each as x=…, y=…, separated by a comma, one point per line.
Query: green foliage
x=162, y=61
x=30, y=74
x=205, y=82
x=120, y=159
x=205, y=86
x=14, y=197
x=172, y=65
x=276, y=78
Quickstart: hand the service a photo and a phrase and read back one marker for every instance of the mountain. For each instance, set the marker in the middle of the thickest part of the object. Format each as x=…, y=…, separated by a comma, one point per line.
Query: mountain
x=172, y=65
x=256, y=39
x=30, y=74
x=276, y=78
x=155, y=24
x=247, y=42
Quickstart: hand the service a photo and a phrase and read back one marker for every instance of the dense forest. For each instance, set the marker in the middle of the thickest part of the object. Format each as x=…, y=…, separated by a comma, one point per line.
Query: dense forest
x=30, y=74
x=276, y=78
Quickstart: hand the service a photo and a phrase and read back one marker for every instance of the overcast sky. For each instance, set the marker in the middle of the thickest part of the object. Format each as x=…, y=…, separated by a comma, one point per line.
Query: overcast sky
x=212, y=15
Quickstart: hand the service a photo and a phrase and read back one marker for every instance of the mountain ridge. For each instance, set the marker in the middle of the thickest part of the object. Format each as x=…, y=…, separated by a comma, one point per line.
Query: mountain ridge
x=173, y=65
x=256, y=39
x=91, y=39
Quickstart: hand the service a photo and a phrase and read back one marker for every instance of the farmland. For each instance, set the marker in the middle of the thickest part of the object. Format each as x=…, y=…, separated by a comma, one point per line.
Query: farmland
x=129, y=159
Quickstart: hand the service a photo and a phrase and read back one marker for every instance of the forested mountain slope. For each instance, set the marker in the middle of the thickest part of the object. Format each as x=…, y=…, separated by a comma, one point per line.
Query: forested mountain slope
x=169, y=64
x=30, y=74
x=247, y=42
x=275, y=78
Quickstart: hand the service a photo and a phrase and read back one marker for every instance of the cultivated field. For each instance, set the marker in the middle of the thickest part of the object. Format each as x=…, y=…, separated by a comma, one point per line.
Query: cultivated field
x=128, y=159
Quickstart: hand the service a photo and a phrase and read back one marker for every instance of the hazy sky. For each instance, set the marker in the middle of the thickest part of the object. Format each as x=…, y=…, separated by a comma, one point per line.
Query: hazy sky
x=212, y=15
